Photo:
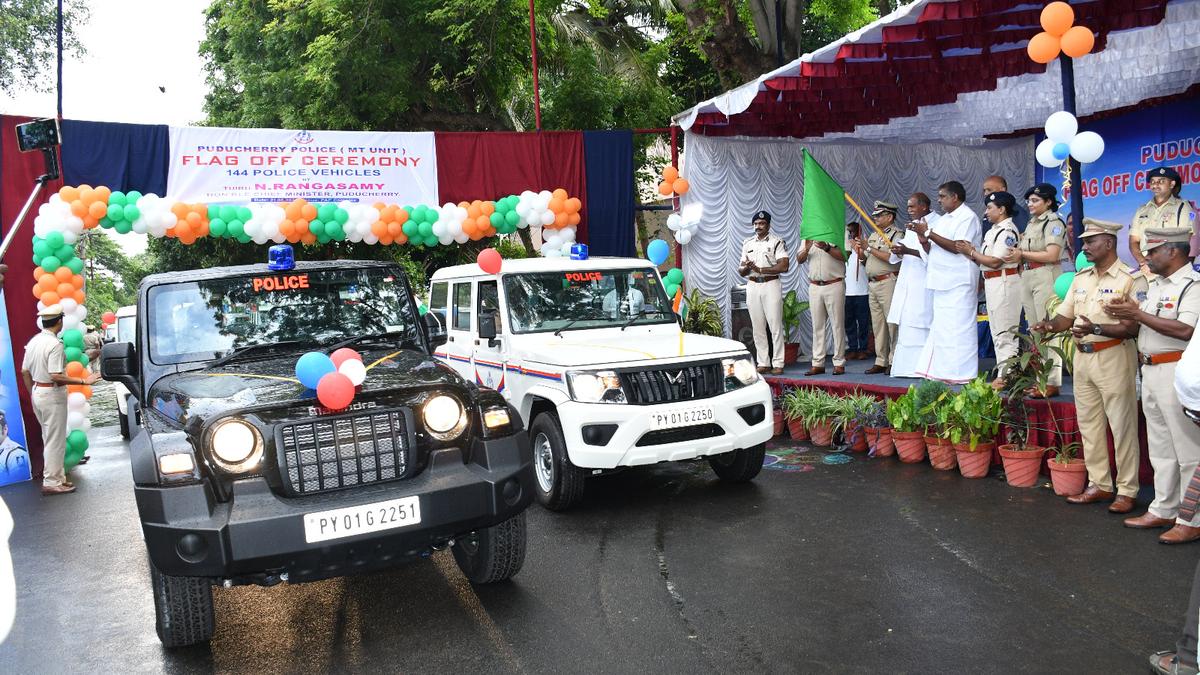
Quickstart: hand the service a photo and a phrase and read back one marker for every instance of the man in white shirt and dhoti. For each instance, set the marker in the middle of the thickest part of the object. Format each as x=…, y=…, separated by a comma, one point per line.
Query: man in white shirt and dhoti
x=952, y=352
x=912, y=302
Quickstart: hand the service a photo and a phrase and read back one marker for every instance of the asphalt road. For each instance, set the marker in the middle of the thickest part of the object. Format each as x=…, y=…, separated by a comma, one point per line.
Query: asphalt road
x=869, y=566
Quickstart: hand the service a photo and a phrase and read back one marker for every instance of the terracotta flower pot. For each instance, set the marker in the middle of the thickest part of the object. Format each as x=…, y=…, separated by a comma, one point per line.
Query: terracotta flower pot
x=941, y=453
x=780, y=423
x=1068, y=479
x=856, y=437
x=1021, y=467
x=880, y=441
x=797, y=430
x=910, y=445
x=821, y=433
x=974, y=464
x=791, y=353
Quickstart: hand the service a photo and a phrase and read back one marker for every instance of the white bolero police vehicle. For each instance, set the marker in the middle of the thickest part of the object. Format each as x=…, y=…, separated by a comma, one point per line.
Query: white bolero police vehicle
x=592, y=355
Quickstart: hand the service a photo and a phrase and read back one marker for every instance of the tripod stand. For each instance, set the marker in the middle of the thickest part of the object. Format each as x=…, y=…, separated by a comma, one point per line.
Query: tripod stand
x=51, y=156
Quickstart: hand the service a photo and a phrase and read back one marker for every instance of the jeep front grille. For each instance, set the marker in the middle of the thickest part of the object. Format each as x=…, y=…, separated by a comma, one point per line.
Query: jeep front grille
x=667, y=385
x=329, y=454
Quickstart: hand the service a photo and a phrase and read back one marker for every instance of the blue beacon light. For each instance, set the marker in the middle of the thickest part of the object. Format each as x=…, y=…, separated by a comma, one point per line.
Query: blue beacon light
x=579, y=252
x=281, y=258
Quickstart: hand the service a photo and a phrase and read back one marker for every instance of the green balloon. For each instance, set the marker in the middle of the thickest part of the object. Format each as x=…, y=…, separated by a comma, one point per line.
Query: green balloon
x=423, y=309
x=675, y=276
x=512, y=218
x=229, y=213
x=84, y=359
x=216, y=226
x=41, y=249
x=116, y=212
x=75, y=265
x=1082, y=263
x=132, y=212
x=316, y=226
x=326, y=211
x=333, y=230
x=77, y=439
x=431, y=240
x=243, y=213
x=497, y=219
x=672, y=289
x=37, y=260
x=410, y=229
x=235, y=228
x=117, y=198
x=106, y=222
x=50, y=263
x=72, y=353
x=425, y=230
x=341, y=215
x=409, y=209
x=72, y=457
x=72, y=338
x=132, y=196
x=64, y=252
x=322, y=238
x=54, y=239
x=432, y=216
x=214, y=212
x=123, y=227
x=1062, y=284
x=244, y=238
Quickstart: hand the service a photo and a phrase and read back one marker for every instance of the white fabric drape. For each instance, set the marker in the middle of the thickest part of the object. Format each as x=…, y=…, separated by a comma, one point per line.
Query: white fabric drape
x=731, y=178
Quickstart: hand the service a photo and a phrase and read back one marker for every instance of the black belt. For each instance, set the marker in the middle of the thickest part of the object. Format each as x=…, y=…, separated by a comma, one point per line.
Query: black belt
x=763, y=280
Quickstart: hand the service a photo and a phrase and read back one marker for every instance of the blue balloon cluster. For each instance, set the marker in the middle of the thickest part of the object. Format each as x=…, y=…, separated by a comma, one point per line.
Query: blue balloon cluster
x=658, y=251
x=312, y=367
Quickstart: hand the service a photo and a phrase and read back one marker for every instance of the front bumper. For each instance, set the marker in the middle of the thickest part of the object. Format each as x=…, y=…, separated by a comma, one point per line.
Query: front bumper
x=632, y=424
x=258, y=533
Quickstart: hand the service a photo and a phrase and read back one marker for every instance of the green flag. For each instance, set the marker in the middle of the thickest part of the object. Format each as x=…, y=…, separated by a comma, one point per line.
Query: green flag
x=823, y=214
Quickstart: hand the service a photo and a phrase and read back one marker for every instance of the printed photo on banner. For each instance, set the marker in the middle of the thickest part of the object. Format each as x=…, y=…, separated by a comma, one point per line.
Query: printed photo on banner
x=14, y=458
x=216, y=165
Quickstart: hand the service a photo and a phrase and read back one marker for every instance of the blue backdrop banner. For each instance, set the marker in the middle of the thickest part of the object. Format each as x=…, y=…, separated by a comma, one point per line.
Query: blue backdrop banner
x=608, y=158
x=121, y=156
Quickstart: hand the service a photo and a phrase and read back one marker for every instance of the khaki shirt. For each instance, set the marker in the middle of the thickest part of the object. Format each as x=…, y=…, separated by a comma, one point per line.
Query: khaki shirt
x=763, y=252
x=1091, y=290
x=1043, y=231
x=875, y=266
x=1173, y=213
x=824, y=267
x=1164, y=300
x=998, y=240
x=43, y=356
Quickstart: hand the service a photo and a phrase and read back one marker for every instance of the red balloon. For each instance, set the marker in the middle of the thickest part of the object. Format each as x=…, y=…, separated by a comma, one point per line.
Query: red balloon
x=109, y=317
x=489, y=260
x=344, y=354
x=335, y=391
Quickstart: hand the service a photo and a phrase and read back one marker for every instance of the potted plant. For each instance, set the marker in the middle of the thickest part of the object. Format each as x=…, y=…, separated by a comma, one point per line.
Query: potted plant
x=777, y=407
x=973, y=421
x=1068, y=473
x=702, y=316
x=932, y=401
x=849, y=420
x=1022, y=372
x=793, y=309
x=821, y=416
x=875, y=426
x=795, y=406
x=908, y=428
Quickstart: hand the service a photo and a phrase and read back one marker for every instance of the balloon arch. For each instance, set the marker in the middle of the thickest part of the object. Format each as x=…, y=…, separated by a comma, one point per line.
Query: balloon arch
x=58, y=277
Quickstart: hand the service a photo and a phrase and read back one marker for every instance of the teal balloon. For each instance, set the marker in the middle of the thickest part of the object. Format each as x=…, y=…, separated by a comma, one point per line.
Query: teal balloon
x=72, y=457
x=341, y=216
x=431, y=240
x=216, y=226
x=322, y=238
x=132, y=212
x=84, y=359
x=132, y=196
x=409, y=210
x=64, y=252
x=512, y=218
x=41, y=248
x=425, y=230
x=75, y=265
x=431, y=216
x=72, y=338
x=1062, y=284
x=236, y=228
x=411, y=229
x=675, y=276
x=316, y=226
x=37, y=260
x=72, y=353
x=243, y=213
x=335, y=231
x=116, y=212
x=123, y=227
x=228, y=213
x=214, y=212
x=117, y=198
x=54, y=239
x=497, y=219
x=326, y=211
x=106, y=222
x=1082, y=263
x=77, y=440
x=244, y=238
x=672, y=289
x=422, y=309
x=50, y=263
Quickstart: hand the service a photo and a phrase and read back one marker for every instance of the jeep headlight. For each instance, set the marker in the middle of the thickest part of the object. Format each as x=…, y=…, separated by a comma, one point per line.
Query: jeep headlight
x=235, y=446
x=601, y=386
x=444, y=416
x=739, y=372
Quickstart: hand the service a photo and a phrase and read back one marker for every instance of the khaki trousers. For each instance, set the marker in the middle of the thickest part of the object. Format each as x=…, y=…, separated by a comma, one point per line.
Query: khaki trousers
x=879, y=294
x=50, y=409
x=765, y=302
x=1174, y=441
x=1105, y=399
x=1037, y=287
x=1004, y=313
x=828, y=306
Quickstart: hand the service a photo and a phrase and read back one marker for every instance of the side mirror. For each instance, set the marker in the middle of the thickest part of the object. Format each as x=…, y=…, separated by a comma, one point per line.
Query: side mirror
x=487, y=325
x=435, y=332
x=119, y=363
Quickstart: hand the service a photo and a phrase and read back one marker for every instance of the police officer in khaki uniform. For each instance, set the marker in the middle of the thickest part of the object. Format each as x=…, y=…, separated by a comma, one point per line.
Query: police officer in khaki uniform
x=1168, y=319
x=876, y=254
x=1001, y=280
x=1165, y=210
x=1043, y=246
x=764, y=258
x=827, y=301
x=43, y=371
x=1105, y=365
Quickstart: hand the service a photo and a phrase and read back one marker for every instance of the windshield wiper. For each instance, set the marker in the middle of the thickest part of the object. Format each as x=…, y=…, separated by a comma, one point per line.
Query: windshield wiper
x=368, y=337
x=639, y=315
x=558, y=333
x=242, y=351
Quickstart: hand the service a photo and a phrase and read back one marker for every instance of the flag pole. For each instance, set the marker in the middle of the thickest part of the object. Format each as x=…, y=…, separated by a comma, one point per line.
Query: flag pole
x=869, y=219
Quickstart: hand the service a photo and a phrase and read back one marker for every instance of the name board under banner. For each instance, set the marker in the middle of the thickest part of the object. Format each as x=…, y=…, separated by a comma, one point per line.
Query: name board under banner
x=216, y=165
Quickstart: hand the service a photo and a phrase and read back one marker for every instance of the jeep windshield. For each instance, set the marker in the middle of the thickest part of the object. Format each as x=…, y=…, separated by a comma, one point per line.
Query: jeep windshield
x=569, y=300
x=211, y=318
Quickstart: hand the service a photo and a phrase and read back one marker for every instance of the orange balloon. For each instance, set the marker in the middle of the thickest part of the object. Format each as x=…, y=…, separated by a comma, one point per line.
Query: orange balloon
x=379, y=228
x=79, y=296
x=193, y=219
x=379, y=206
x=1057, y=17
x=400, y=239
x=474, y=211
x=63, y=273
x=74, y=369
x=65, y=289
x=78, y=209
x=575, y=219
x=90, y=222
x=574, y=205
x=37, y=291
x=1078, y=41
x=183, y=229
x=482, y=222
x=477, y=235
x=180, y=210
x=68, y=193
x=394, y=231
x=557, y=205
x=670, y=173
x=387, y=214
x=87, y=195
x=1043, y=48
x=309, y=238
x=680, y=186
x=488, y=208
x=560, y=220
x=50, y=298
x=103, y=193
x=401, y=216
x=301, y=227
x=664, y=188
x=97, y=209
x=292, y=211
x=308, y=211
x=385, y=240
x=559, y=194
x=38, y=272
x=77, y=280
x=48, y=282
x=469, y=227
x=202, y=230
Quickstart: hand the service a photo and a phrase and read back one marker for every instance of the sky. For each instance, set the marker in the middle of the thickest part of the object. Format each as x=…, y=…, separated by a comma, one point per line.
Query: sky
x=133, y=47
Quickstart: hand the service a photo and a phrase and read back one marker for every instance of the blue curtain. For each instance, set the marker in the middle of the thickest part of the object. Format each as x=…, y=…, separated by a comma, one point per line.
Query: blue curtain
x=608, y=156
x=120, y=156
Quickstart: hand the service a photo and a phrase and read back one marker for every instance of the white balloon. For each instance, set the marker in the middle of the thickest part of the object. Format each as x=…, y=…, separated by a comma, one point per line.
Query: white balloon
x=1045, y=154
x=683, y=237
x=70, y=237
x=74, y=420
x=370, y=238
x=86, y=426
x=353, y=369
x=141, y=226
x=547, y=218
x=568, y=234
x=70, y=322
x=76, y=401
x=674, y=221
x=68, y=305
x=1087, y=147
x=81, y=312
x=692, y=213
x=445, y=240
x=1061, y=127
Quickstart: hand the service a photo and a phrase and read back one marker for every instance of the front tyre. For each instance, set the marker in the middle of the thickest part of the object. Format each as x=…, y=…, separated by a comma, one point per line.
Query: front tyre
x=739, y=466
x=183, y=609
x=492, y=554
x=559, y=482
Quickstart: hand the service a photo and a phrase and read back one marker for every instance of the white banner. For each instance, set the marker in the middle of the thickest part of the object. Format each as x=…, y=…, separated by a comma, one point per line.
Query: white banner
x=216, y=165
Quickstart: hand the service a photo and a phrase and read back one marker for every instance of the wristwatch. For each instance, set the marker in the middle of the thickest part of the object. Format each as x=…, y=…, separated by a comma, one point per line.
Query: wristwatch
x=1096, y=329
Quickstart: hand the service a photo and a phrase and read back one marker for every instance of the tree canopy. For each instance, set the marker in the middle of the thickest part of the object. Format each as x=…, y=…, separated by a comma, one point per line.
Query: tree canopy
x=28, y=40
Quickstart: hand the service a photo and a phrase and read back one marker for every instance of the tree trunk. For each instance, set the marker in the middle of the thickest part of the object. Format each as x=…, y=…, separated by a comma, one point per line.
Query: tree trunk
x=527, y=241
x=734, y=56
